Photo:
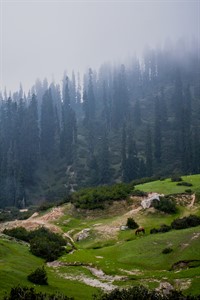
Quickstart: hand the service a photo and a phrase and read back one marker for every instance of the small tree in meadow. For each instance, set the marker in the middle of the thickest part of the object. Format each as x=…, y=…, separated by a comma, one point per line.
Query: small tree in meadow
x=131, y=223
x=39, y=276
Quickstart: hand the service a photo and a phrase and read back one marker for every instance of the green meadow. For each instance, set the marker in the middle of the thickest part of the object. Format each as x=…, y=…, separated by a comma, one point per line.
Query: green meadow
x=123, y=258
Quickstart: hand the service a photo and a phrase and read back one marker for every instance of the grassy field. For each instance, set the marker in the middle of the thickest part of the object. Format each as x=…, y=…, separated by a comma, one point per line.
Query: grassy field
x=16, y=262
x=137, y=259
x=168, y=187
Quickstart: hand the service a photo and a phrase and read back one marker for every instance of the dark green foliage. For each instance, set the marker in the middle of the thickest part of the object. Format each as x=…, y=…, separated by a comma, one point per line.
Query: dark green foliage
x=163, y=228
x=26, y=293
x=167, y=250
x=132, y=122
x=176, y=178
x=139, y=193
x=189, y=191
x=39, y=276
x=19, y=233
x=13, y=213
x=131, y=223
x=45, y=248
x=93, y=198
x=186, y=222
x=184, y=183
x=142, y=293
x=43, y=242
x=166, y=205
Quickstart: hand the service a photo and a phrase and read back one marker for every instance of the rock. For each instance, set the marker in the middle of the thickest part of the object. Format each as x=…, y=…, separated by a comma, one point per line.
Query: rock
x=165, y=288
x=83, y=234
x=123, y=227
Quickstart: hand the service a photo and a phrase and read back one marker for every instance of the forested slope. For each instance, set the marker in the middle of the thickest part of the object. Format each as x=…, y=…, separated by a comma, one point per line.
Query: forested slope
x=123, y=122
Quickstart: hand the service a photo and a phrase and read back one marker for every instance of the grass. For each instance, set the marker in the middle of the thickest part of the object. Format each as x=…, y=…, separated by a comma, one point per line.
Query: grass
x=16, y=262
x=140, y=258
x=168, y=187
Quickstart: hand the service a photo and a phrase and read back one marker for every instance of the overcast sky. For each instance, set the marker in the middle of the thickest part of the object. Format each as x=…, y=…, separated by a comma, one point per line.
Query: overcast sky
x=43, y=38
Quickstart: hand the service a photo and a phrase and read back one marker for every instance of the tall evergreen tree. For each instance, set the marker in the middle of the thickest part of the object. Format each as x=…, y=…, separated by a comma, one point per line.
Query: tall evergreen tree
x=149, y=153
x=157, y=131
x=47, y=125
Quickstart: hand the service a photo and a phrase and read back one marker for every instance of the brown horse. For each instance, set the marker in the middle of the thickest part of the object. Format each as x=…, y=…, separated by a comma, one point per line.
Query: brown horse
x=140, y=229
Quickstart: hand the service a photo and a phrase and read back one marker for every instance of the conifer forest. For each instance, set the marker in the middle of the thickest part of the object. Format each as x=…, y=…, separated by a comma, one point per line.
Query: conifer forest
x=122, y=122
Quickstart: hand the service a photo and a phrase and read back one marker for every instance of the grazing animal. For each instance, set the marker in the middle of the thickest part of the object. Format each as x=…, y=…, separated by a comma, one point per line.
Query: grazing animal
x=140, y=229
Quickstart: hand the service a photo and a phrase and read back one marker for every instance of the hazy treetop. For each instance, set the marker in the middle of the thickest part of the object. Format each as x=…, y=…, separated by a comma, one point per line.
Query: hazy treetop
x=43, y=38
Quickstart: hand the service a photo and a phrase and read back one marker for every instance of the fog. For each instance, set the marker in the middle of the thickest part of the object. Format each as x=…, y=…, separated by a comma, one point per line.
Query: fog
x=43, y=38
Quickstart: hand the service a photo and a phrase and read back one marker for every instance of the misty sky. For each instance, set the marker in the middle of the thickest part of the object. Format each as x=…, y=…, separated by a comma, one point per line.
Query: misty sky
x=43, y=38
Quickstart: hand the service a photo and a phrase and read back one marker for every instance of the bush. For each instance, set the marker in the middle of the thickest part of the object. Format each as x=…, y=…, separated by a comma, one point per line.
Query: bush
x=186, y=222
x=166, y=205
x=131, y=223
x=184, y=183
x=93, y=198
x=167, y=250
x=142, y=293
x=45, y=248
x=139, y=193
x=26, y=293
x=19, y=233
x=188, y=191
x=39, y=276
x=43, y=242
x=163, y=228
x=176, y=178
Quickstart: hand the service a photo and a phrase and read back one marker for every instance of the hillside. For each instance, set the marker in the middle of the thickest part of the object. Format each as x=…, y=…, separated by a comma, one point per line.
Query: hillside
x=118, y=124
x=107, y=257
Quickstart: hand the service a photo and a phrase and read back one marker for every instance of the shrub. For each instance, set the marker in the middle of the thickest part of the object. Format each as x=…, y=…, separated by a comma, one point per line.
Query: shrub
x=93, y=198
x=167, y=250
x=197, y=196
x=45, y=248
x=188, y=191
x=19, y=233
x=142, y=293
x=139, y=193
x=176, y=178
x=184, y=183
x=166, y=205
x=186, y=222
x=39, y=276
x=131, y=223
x=163, y=228
x=26, y=293
x=43, y=242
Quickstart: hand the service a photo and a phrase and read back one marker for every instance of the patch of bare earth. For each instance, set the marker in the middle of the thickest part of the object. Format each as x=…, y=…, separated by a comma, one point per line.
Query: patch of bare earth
x=101, y=280
x=36, y=221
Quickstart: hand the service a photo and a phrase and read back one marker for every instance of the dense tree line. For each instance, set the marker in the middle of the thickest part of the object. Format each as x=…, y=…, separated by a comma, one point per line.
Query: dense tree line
x=124, y=122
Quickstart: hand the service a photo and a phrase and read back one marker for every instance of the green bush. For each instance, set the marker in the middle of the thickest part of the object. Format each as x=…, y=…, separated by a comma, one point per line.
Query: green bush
x=163, y=228
x=39, y=276
x=184, y=183
x=93, y=198
x=166, y=205
x=27, y=293
x=131, y=223
x=45, y=248
x=186, y=222
x=176, y=178
x=167, y=250
x=43, y=242
x=142, y=293
x=19, y=233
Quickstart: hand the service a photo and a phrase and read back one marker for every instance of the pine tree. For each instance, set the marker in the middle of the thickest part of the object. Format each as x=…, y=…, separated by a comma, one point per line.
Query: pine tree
x=47, y=125
x=104, y=160
x=69, y=128
x=157, y=132
x=148, y=153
